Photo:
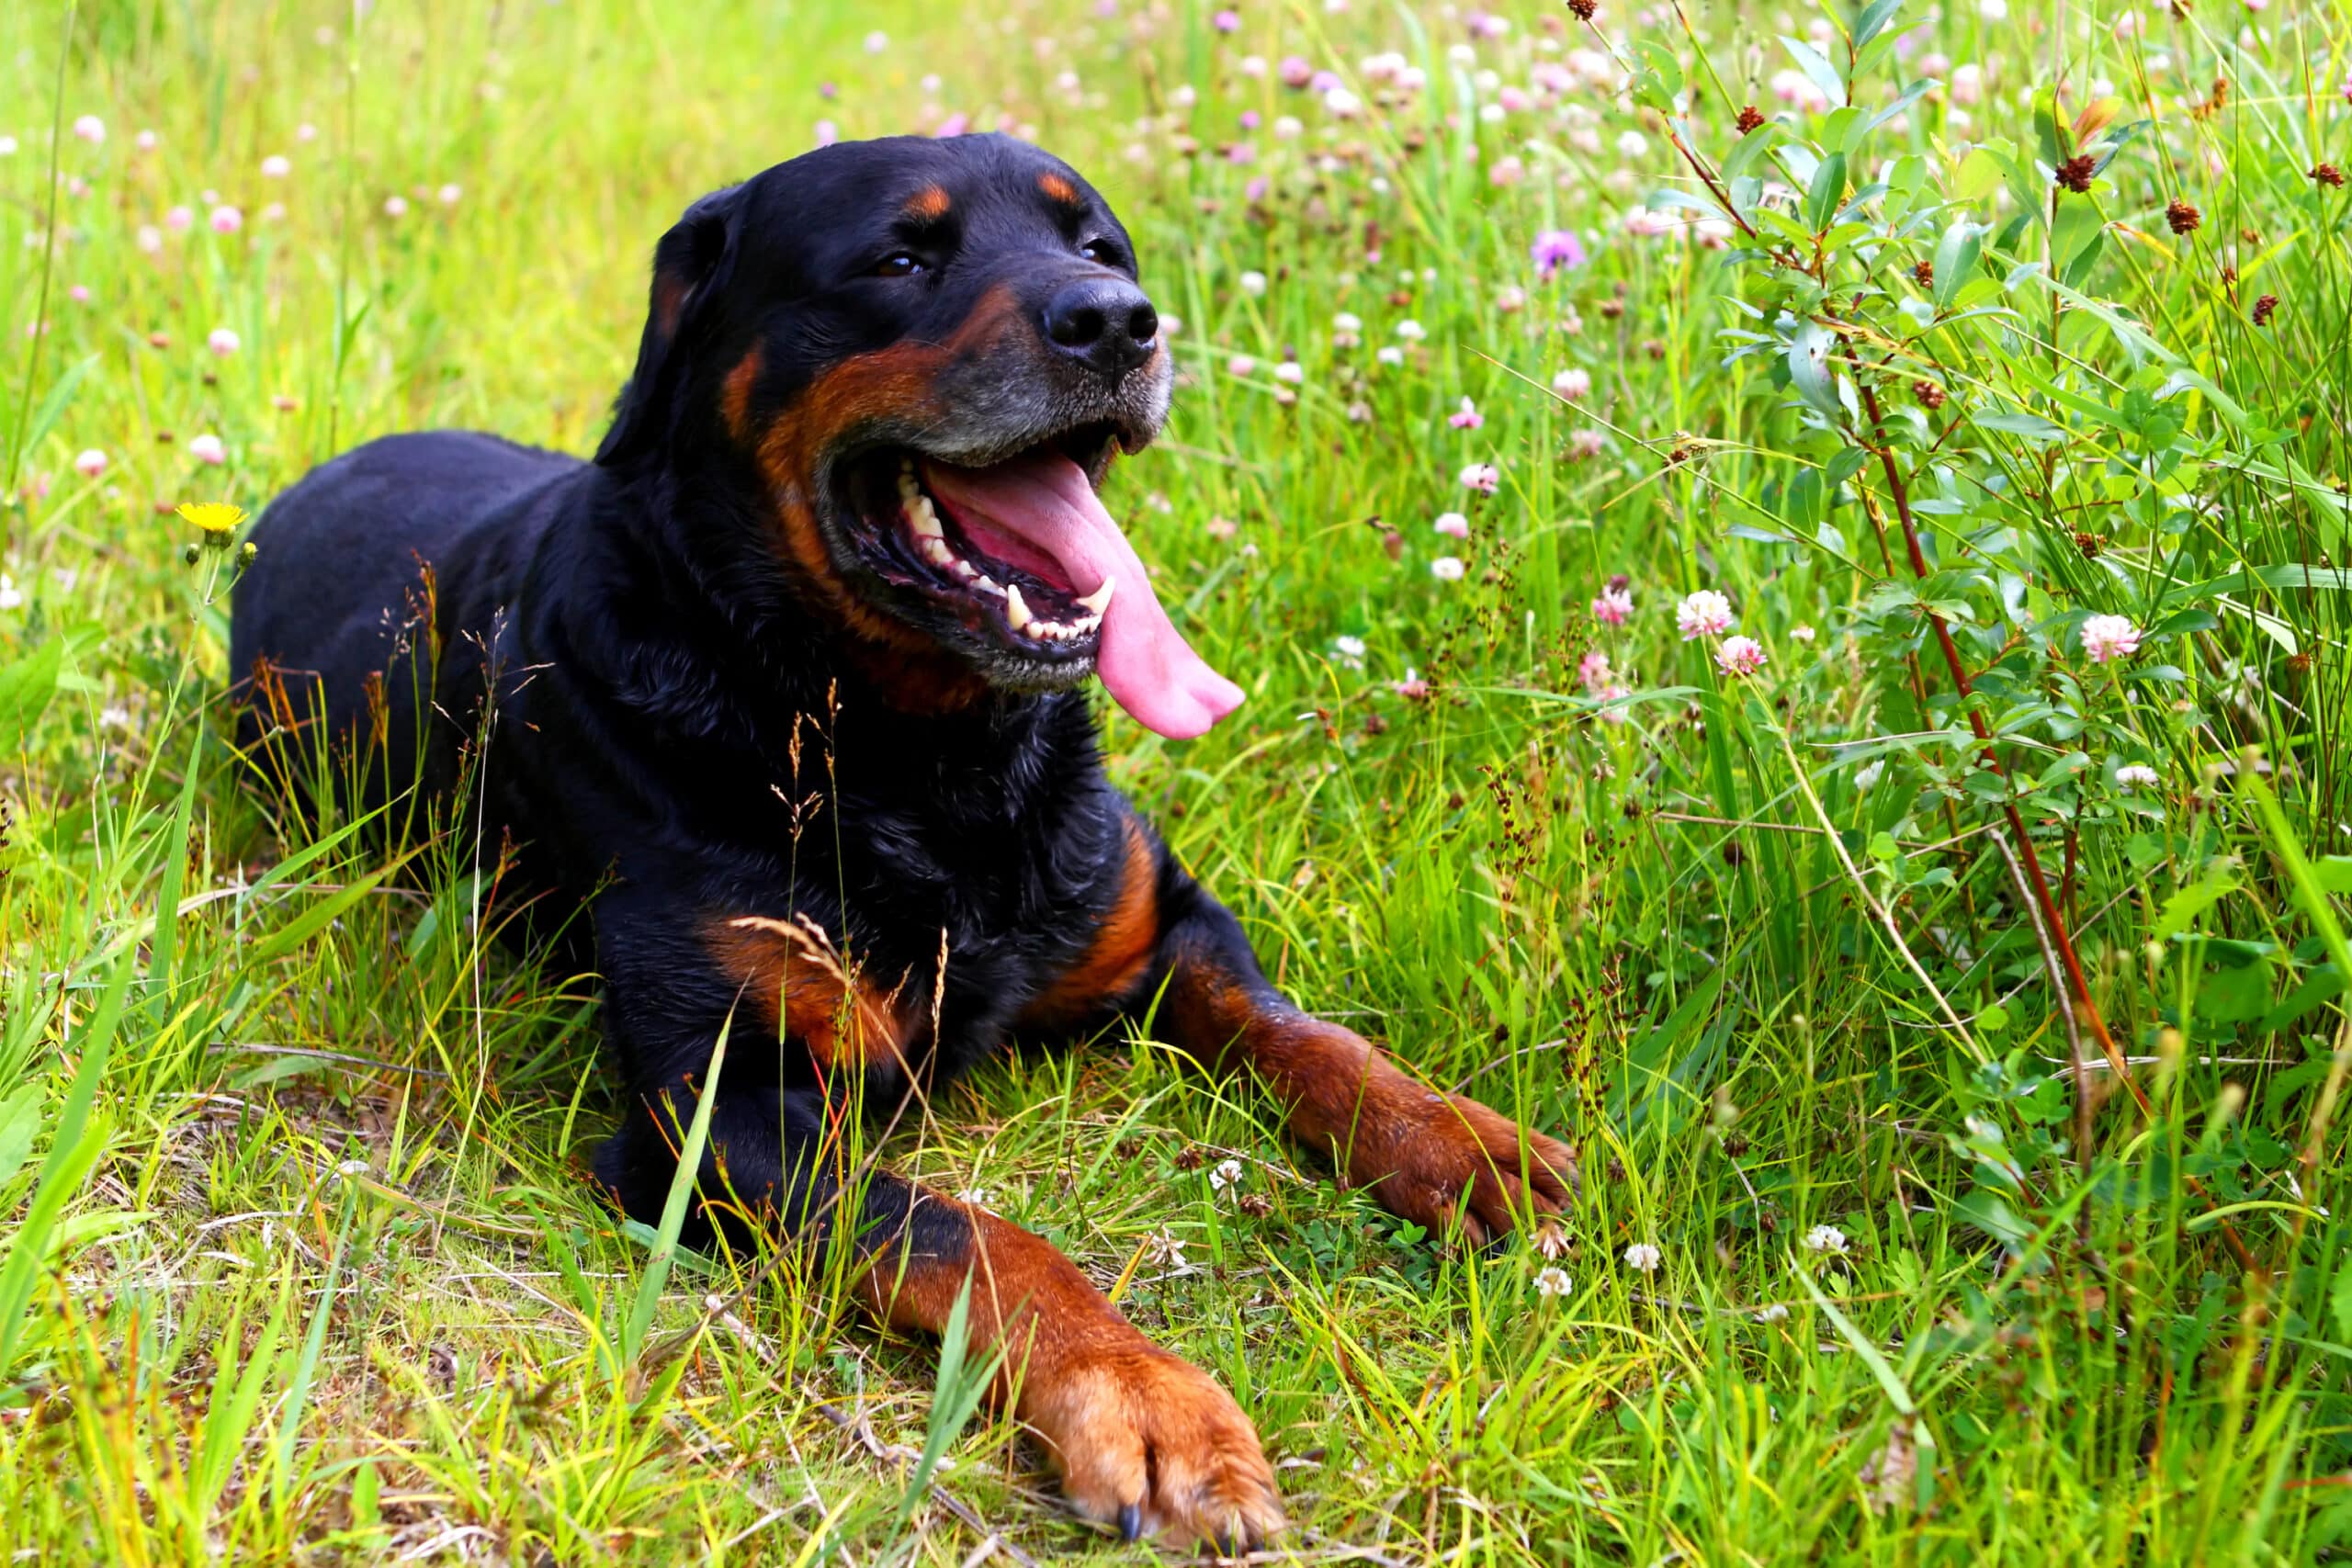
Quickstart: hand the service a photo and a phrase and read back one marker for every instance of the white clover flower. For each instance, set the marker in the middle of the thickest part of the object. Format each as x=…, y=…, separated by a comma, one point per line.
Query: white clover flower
x=1644, y=1256
x=1826, y=1240
x=1552, y=1282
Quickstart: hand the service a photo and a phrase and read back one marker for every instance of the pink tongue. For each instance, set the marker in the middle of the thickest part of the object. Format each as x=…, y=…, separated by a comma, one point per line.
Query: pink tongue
x=1146, y=665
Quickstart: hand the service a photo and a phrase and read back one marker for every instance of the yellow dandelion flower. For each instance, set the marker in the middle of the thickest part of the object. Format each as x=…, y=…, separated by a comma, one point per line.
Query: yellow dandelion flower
x=218, y=519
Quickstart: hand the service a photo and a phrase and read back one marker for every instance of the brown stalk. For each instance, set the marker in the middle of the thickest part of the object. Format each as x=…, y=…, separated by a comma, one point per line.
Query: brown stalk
x=2086, y=1008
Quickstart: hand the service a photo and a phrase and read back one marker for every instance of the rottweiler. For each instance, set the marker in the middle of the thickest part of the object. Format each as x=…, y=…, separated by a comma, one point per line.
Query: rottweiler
x=786, y=686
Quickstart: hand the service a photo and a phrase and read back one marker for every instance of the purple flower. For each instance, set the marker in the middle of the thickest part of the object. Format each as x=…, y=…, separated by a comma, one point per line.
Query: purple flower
x=1553, y=249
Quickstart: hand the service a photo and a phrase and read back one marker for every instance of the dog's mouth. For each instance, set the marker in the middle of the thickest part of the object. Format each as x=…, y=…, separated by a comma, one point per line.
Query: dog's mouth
x=1016, y=561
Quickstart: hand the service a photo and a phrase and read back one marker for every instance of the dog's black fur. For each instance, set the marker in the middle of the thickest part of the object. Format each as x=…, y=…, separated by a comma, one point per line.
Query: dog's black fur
x=651, y=656
x=711, y=692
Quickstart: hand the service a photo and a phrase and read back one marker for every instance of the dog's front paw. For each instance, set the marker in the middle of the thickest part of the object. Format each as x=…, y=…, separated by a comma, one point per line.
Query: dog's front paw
x=1434, y=1158
x=1149, y=1442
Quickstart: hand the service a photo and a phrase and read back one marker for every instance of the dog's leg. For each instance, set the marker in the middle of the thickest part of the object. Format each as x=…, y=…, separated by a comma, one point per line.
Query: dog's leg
x=1435, y=1159
x=1143, y=1440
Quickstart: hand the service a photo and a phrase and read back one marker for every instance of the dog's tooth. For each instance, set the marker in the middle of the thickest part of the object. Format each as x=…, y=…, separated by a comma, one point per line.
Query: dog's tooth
x=1086, y=624
x=935, y=551
x=1100, y=599
x=1016, y=613
x=920, y=517
x=988, y=584
x=965, y=571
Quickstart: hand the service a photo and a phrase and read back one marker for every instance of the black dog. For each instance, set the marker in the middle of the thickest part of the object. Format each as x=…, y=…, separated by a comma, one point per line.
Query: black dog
x=851, y=485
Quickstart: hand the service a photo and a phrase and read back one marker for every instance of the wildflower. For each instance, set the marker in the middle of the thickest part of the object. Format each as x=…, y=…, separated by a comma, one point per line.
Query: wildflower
x=1349, y=651
x=1452, y=524
x=224, y=342
x=1227, y=21
x=1777, y=1312
x=2109, y=637
x=1826, y=1238
x=216, y=520
x=876, y=41
x=1555, y=249
x=1511, y=302
x=1575, y=384
x=1740, y=657
x=89, y=127
x=1632, y=144
x=1593, y=671
x=1447, y=569
x=207, y=449
x=1613, y=607
x=1291, y=373
x=1801, y=633
x=1505, y=171
x=1161, y=1247
x=90, y=464
x=180, y=219
x=1644, y=1256
x=1242, y=365
x=1466, y=417
x=396, y=207
x=1253, y=283
x=1411, y=331
x=1586, y=443
x=151, y=239
x=1288, y=128
x=1227, y=1174
x=11, y=596
x=227, y=220
x=1551, y=1282
x=1968, y=83
x=277, y=166
x=826, y=134
x=1412, y=688
x=1481, y=477
x=1347, y=330
x=8, y=146
x=1223, y=527
x=449, y=194
x=1391, y=355
x=1703, y=613
x=2074, y=173
x=2135, y=775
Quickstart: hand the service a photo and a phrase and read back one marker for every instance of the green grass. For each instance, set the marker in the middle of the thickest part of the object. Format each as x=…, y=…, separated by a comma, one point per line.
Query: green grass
x=298, y=1260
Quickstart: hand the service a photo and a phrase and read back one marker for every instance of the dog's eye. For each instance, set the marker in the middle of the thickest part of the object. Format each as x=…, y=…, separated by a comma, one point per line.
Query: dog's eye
x=1101, y=252
x=898, y=264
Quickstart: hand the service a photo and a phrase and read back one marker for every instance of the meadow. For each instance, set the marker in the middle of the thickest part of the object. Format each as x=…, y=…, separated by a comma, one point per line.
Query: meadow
x=1788, y=568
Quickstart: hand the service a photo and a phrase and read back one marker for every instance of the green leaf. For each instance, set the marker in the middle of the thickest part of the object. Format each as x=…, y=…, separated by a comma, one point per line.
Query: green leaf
x=1815, y=65
x=1956, y=255
x=1809, y=371
x=1827, y=193
x=1875, y=19
x=674, y=1207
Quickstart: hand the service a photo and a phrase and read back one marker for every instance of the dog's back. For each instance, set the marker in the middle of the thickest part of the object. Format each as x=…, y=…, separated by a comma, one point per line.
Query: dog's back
x=337, y=611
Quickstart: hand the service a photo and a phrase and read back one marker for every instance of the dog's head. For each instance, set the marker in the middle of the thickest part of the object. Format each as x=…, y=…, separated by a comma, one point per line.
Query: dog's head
x=931, y=351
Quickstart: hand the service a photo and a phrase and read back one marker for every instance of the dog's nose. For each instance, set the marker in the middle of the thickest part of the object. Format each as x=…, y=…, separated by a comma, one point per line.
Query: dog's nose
x=1105, y=322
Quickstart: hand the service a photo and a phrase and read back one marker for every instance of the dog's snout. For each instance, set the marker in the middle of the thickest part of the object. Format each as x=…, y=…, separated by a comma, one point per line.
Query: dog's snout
x=1106, y=322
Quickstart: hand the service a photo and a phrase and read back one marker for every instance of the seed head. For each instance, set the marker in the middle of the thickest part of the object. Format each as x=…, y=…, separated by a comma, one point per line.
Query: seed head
x=1749, y=119
x=2074, y=173
x=2264, y=309
x=1931, y=397
x=2183, y=218
x=1924, y=275
x=1582, y=10
x=2329, y=175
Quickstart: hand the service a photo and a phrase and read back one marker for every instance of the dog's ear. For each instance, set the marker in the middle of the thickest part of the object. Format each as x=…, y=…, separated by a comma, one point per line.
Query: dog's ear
x=690, y=267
